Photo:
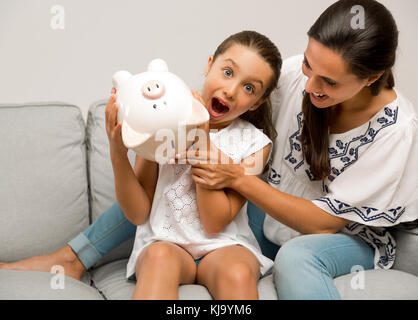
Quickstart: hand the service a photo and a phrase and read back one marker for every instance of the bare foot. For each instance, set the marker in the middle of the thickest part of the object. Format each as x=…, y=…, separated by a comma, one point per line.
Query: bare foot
x=64, y=257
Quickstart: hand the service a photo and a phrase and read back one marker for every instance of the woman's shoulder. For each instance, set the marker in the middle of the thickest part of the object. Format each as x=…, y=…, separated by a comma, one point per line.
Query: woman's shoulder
x=292, y=64
x=406, y=110
x=287, y=97
x=396, y=119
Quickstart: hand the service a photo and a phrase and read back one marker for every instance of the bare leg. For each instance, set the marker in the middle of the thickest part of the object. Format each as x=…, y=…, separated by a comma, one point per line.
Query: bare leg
x=161, y=268
x=64, y=257
x=230, y=273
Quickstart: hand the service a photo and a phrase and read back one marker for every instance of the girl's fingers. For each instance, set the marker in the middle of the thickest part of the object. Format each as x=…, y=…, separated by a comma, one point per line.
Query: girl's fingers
x=113, y=117
x=108, y=110
x=191, y=157
x=198, y=97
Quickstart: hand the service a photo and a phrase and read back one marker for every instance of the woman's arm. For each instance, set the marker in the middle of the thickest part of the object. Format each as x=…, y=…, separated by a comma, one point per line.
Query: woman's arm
x=295, y=212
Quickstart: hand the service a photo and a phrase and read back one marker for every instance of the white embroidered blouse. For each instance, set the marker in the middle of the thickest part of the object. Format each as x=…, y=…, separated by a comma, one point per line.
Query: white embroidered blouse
x=373, y=180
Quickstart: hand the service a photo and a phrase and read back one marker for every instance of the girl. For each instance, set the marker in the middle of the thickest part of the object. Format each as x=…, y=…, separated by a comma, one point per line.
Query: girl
x=191, y=234
x=344, y=159
x=188, y=233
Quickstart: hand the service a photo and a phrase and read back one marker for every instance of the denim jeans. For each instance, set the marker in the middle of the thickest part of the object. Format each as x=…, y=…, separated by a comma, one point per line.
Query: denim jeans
x=107, y=232
x=305, y=266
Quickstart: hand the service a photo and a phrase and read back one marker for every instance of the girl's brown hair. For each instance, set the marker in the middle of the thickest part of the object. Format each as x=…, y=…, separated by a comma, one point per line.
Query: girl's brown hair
x=368, y=51
x=261, y=118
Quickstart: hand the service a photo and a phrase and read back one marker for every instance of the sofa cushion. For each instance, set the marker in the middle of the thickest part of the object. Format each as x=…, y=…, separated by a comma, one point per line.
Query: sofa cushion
x=378, y=285
x=406, y=249
x=111, y=281
x=102, y=187
x=34, y=285
x=43, y=185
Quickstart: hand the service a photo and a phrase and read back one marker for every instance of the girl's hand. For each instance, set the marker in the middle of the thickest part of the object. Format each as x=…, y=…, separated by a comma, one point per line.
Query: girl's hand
x=204, y=126
x=197, y=96
x=114, y=129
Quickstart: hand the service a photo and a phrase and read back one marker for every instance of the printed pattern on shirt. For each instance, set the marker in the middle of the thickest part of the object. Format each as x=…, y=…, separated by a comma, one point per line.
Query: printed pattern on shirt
x=341, y=155
x=377, y=238
x=181, y=199
x=366, y=213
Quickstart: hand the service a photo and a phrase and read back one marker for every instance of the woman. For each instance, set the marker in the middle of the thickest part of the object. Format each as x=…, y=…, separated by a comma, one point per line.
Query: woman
x=342, y=160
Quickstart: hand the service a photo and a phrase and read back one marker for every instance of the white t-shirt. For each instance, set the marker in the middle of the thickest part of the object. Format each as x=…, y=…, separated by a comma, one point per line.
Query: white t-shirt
x=373, y=180
x=174, y=215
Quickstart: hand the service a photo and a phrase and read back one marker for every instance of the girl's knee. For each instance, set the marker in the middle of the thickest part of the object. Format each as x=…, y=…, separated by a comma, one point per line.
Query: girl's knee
x=158, y=254
x=238, y=275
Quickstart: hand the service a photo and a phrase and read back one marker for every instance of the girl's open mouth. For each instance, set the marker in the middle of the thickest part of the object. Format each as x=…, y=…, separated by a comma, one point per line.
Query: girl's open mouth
x=217, y=108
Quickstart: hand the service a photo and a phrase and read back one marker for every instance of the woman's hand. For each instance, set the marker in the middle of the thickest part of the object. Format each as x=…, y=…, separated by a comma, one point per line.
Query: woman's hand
x=211, y=169
x=217, y=176
x=114, y=129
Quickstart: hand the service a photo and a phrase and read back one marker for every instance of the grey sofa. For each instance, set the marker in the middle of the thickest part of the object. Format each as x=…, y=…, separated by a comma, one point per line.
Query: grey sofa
x=56, y=178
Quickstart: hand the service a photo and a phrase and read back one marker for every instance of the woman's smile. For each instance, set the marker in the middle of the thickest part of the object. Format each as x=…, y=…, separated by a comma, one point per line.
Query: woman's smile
x=316, y=98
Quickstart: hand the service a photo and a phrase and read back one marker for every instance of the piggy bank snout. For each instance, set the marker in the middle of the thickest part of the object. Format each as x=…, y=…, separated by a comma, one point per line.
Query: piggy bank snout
x=153, y=89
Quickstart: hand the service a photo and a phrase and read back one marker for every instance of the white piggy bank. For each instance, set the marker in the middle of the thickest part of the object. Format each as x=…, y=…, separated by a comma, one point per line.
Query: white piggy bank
x=158, y=112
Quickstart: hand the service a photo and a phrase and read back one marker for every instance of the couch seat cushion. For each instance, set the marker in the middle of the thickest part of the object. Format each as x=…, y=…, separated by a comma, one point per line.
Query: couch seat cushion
x=111, y=281
x=34, y=285
x=378, y=285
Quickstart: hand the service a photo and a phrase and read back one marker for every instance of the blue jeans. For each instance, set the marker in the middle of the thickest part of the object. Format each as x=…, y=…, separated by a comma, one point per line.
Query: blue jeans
x=305, y=266
x=106, y=233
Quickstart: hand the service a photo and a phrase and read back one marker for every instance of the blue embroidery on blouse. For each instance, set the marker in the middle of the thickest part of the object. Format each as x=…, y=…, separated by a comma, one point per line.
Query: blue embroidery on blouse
x=348, y=152
x=274, y=177
x=365, y=213
x=295, y=144
x=376, y=238
x=341, y=155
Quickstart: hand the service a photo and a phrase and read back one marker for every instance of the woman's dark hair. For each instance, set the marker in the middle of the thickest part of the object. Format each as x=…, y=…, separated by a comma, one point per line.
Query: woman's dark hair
x=368, y=49
x=261, y=118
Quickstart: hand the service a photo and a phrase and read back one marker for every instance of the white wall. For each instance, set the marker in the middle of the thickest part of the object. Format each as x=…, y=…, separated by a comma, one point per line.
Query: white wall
x=75, y=64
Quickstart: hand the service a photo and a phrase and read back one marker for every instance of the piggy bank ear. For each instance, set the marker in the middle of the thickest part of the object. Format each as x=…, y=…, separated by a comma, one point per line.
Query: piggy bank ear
x=120, y=77
x=158, y=65
x=132, y=138
x=199, y=114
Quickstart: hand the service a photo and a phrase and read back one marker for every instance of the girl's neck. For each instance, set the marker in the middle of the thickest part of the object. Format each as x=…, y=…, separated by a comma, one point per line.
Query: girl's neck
x=219, y=126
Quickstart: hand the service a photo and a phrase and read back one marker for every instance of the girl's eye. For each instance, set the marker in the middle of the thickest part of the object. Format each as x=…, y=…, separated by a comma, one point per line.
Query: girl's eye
x=249, y=88
x=227, y=72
